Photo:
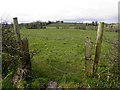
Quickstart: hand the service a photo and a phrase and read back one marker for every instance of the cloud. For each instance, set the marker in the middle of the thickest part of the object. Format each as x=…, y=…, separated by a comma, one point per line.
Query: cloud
x=32, y=10
x=112, y=19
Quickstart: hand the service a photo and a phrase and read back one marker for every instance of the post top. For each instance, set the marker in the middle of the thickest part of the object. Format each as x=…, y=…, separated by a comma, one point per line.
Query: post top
x=14, y=17
x=102, y=22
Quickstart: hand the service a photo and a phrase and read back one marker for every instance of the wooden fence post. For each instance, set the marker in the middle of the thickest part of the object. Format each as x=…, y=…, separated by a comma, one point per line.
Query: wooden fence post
x=25, y=53
x=24, y=70
x=16, y=29
x=98, y=48
x=87, y=56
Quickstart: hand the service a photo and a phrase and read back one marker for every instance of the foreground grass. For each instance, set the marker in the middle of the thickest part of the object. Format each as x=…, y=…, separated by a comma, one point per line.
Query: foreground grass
x=60, y=55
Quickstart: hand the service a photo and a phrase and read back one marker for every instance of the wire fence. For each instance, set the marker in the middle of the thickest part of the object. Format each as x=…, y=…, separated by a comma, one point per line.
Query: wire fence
x=51, y=66
x=18, y=50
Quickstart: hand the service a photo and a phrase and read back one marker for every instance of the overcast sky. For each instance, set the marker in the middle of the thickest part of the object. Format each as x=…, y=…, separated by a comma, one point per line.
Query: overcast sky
x=67, y=10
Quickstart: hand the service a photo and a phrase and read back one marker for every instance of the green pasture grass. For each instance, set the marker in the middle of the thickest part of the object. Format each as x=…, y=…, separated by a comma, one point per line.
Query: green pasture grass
x=60, y=53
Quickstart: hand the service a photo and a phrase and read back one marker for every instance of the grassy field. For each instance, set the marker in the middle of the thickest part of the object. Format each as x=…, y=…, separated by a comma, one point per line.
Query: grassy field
x=59, y=55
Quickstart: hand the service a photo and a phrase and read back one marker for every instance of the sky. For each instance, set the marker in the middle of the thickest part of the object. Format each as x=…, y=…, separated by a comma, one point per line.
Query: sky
x=53, y=10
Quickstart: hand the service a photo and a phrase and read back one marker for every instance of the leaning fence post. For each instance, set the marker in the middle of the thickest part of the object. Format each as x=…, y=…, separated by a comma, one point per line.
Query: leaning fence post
x=98, y=47
x=24, y=70
x=87, y=56
x=16, y=29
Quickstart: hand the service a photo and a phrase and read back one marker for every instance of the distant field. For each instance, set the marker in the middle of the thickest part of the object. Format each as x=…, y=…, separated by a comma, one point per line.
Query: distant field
x=60, y=53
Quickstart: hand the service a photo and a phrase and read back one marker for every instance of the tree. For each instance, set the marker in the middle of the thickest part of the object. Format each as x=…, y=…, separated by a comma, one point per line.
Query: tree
x=93, y=23
x=62, y=22
x=96, y=23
